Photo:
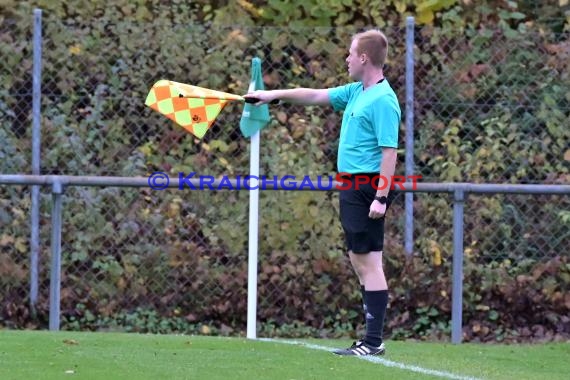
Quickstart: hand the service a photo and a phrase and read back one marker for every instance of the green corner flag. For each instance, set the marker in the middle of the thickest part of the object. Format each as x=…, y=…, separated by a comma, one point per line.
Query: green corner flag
x=254, y=118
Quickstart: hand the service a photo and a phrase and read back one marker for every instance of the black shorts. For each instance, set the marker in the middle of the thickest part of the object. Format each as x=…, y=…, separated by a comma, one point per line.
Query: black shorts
x=362, y=234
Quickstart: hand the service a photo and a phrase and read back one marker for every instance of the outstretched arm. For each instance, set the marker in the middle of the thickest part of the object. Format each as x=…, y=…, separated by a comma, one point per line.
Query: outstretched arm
x=306, y=96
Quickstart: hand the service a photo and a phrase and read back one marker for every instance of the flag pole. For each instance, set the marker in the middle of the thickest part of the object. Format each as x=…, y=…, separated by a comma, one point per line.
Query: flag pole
x=253, y=233
x=253, y=239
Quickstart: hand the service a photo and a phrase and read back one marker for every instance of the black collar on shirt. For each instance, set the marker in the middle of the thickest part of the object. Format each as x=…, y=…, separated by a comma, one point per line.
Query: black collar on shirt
x=380, y=81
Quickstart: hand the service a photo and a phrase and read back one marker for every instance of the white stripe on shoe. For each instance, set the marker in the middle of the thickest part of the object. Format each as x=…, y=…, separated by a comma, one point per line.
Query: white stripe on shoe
x=361, y=350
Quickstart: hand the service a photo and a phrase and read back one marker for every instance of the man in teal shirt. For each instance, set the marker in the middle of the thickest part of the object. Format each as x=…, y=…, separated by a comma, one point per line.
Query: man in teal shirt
x=367, y=150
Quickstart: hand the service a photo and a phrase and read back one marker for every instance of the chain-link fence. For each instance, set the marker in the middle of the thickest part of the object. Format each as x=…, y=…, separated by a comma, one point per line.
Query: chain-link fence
x=14, y=253
x=493, y=102
x=488, y=108
x=16, y=96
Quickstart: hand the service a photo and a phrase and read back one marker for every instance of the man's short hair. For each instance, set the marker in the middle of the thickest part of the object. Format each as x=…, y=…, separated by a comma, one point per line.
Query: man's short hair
x=374, y=44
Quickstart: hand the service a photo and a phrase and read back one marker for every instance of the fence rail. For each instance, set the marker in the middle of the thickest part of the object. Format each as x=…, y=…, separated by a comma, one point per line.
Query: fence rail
x=420, y=187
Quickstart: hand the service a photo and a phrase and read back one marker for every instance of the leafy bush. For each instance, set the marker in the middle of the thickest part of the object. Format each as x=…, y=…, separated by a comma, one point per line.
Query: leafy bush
x=176, y=261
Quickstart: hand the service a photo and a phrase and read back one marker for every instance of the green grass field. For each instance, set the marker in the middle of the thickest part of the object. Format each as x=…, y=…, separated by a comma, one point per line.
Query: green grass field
x=71, y=355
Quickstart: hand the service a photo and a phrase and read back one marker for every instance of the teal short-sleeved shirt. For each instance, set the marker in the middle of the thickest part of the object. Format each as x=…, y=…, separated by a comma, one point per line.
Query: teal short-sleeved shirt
x=370, y=122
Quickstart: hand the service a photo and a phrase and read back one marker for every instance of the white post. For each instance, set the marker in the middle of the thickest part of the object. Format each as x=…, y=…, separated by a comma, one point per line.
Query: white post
x=253, y=234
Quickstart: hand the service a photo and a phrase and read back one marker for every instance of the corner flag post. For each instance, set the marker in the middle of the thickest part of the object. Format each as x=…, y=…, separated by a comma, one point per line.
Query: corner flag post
x=254, y=118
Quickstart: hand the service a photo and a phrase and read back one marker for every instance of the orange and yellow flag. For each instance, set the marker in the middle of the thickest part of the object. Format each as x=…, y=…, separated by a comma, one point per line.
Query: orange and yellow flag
x=193, y=108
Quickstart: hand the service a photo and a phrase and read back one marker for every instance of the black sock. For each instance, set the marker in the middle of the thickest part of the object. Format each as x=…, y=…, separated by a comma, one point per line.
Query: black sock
x=363, y=293
x=376, y=304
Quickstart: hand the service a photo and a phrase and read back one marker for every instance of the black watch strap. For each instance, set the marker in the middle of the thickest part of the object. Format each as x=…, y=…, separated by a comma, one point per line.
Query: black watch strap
x=382, y=199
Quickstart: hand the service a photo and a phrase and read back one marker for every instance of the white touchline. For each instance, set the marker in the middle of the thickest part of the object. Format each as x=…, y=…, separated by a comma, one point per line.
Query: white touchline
x=378, y=360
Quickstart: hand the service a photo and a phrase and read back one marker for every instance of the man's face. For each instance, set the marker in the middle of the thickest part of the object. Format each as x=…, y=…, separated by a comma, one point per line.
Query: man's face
x=354, y=62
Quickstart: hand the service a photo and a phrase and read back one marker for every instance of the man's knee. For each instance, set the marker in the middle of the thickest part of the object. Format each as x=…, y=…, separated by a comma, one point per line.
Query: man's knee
x=365, y=263
x=362, y=262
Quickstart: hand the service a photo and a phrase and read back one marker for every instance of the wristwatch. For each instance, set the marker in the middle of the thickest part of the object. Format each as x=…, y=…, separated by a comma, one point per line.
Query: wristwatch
x=381, y=199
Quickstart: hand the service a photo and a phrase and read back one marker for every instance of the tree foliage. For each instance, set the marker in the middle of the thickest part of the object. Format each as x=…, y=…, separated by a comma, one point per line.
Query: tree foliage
x=492, y=92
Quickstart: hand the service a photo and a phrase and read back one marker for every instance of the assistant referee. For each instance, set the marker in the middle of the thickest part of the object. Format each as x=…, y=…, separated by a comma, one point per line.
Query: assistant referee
x=367, y=147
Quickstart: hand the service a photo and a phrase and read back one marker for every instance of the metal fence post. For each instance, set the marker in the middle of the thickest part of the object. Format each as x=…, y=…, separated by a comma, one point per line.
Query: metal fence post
x=457, y=291
x=409, y=197
x=55, y=278
x=36, y=139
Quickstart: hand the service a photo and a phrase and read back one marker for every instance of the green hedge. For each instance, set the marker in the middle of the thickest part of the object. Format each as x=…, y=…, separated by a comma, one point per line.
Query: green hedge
x=491, y=106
